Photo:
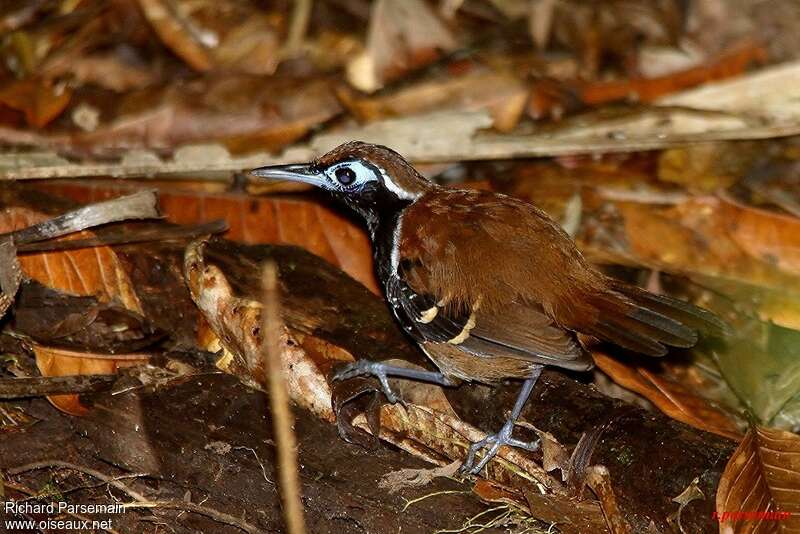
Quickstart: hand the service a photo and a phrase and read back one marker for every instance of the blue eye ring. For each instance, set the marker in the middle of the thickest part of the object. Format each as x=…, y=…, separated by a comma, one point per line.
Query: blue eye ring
x=345, y=175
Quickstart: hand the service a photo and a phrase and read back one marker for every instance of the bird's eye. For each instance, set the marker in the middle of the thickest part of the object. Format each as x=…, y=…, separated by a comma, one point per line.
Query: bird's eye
x=345, y=175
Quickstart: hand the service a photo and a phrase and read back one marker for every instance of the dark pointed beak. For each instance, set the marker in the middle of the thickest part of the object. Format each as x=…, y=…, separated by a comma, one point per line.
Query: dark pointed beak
x=293, y=173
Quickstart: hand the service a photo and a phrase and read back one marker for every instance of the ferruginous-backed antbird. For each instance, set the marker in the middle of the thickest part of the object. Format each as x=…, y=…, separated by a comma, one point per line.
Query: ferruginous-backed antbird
x=490, y=287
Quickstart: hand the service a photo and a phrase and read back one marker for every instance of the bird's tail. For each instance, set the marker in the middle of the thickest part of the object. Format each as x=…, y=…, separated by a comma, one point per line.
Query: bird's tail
x=644, y=322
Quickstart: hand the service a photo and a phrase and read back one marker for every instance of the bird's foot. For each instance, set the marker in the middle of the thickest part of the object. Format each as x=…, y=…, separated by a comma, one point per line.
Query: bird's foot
x=368, y=368
x=493, y=443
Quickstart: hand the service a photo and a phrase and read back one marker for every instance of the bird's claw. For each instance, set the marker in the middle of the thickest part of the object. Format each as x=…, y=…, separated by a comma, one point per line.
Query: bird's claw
x=493, y=443
x=367, y=368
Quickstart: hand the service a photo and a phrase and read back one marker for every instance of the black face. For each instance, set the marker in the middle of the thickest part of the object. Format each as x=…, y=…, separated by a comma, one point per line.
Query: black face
x=357, y=183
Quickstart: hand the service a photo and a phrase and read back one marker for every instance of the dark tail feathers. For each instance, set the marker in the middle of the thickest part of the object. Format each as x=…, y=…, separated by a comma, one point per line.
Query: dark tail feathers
x=644, y=322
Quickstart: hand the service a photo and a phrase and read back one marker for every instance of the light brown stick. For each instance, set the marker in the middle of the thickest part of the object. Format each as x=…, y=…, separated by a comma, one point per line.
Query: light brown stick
x=282, y=419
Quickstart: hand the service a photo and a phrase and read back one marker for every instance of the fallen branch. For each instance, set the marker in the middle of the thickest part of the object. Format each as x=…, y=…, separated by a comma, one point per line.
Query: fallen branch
x=141, y=205
x=37, y=386
x=46, y=464
x=125, y=237
x=220, y=517
x=282, y=418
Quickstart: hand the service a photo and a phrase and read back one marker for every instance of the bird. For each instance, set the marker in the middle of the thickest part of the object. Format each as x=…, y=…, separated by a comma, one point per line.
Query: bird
x=489, y=286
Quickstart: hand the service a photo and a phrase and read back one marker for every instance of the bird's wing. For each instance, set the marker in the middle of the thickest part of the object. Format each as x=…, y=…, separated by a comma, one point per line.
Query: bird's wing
x=522, y=332
x=456, y=283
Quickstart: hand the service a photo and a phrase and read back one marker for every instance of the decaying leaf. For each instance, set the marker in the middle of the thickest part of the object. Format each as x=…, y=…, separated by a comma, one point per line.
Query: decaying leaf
x=599, y=479
x=672, y=397
x=10, y=274
x=90, y=272
x=93, y=272
x=39, y=101
x=54, y=361
x=758, y=492
x=402, y=35
x=504, y=95
x=714, y=237
x=209, y=36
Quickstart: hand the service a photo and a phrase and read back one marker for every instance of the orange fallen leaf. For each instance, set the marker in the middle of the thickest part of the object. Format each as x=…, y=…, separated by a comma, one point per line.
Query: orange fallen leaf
x=671, y=397
x=759, y=491
x=729, y=64
x=54, y=361
x=40, y=101
x=716, y=237
x=93, y=272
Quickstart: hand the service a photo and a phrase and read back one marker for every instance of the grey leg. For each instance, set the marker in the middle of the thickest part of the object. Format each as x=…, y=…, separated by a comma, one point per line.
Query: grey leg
x=382, y=371
x=495, y=441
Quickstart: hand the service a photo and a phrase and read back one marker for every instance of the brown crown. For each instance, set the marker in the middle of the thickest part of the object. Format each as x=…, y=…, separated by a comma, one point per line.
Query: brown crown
x=390, y=162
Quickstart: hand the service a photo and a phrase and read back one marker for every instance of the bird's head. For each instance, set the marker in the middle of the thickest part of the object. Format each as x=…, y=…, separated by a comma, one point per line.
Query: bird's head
x=373, y=180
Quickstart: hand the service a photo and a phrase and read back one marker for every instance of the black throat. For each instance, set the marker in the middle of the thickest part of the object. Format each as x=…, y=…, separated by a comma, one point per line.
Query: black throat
x=381, y=211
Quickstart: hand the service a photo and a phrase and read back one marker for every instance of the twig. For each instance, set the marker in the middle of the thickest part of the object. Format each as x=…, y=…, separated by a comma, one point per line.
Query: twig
x=141, y=205
x=45, y=464
x=220, y=517
x=298, y=27
x=127, y=236
x=14, y=388
x=282, y=418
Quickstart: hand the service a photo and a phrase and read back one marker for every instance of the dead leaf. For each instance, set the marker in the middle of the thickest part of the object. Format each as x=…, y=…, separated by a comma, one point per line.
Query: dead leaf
x=727, y=65
x=671, y=397
x=504, y=95
x=395, y=481
x=95, y=272
x=760, y=488
x=713, y=237
x=599, y=479
x=179, y=33
x=402, y=35
x=691, y=493
x=40, y=101
x=54, y=361
x=91, y=272
x=10, y=274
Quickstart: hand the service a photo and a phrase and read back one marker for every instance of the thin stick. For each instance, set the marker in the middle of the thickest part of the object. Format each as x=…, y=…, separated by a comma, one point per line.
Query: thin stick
x=142, y=501
x=36, y=386
x=140, y=205
x=282, y=418
x=216, y=515
x=298, y=26
x=44, y=464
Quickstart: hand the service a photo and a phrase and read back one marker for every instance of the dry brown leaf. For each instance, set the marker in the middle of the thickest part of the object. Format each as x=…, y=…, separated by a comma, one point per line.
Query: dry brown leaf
x=54, y=361
x=759, y=492
x=175, y=31
x=402, y=35
x=504, y=95
x=209, y=35
x=40, y=101
x=671, y=397
x=715, y=237
x=93, y=272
